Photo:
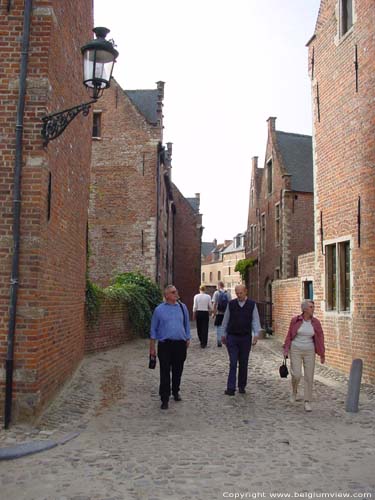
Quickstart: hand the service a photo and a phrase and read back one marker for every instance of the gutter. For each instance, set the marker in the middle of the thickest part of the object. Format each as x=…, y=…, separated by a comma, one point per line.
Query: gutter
x=9, y=363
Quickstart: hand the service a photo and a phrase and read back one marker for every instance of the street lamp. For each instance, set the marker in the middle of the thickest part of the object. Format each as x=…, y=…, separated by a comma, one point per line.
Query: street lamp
x=99, y=57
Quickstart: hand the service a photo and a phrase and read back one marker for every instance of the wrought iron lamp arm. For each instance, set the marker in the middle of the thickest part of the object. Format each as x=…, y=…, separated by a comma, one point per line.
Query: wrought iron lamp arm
x=54, y=125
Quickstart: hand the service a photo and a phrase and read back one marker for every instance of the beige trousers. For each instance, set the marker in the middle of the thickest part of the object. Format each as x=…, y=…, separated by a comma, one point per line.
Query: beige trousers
x=299, y=357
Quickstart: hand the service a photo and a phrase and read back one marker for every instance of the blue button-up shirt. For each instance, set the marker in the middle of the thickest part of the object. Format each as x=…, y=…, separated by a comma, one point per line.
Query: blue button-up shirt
x=169, y=323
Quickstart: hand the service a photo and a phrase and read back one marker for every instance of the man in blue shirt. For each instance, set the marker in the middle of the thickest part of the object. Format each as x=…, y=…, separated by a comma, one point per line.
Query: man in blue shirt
x=241, y=328
x=170, y=327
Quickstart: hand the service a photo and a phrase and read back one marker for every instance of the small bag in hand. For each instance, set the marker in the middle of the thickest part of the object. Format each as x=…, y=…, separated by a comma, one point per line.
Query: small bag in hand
x=283, y=370
x=152, y=362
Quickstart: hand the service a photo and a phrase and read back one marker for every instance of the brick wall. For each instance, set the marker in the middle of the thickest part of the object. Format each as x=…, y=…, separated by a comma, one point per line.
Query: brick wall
x=187, y=249
x=111, y=329
x=288, y=294
x=50, y=322
x=123, y=193
x=344, y=150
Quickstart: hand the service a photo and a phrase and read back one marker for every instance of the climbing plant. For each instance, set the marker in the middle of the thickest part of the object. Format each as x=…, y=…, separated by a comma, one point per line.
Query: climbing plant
x=243, y=266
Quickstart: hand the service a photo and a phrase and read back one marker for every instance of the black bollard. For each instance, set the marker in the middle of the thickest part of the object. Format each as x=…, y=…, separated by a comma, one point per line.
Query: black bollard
x=354, y=386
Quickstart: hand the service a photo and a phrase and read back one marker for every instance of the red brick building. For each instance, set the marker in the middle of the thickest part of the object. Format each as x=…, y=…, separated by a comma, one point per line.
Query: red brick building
x=280, y=221
x=342, y=69
x=187, y=230
x=138, y=220
x=130, y=217
x=53, y=202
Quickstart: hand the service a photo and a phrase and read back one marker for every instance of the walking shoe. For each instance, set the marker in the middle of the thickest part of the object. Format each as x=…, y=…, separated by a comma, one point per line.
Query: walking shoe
x=177, y=397
x=293, y=397
x=308, y=406
x=164, y=405
x=229, y=392
x=242, y=390
x=219, y=344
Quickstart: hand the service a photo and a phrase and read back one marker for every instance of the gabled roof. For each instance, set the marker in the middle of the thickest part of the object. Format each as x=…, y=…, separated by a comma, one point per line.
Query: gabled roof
x=296, y=152
x=146, y=101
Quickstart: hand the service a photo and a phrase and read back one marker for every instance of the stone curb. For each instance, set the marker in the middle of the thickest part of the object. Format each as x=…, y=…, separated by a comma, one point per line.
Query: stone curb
x=24, y=449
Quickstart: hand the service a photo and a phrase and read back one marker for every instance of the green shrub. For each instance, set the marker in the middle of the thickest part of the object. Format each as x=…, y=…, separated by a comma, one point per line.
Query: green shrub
x=139, y=293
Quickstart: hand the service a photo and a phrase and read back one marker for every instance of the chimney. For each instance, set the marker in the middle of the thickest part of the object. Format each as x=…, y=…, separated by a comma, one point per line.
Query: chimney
x=159, y=109
x=254, y=160
x=160, y=86
x=271, y=124
x=215, y=242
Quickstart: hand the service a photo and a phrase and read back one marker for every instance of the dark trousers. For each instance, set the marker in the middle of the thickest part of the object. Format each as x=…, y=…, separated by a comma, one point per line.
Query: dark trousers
x=172, y=355
x=202, y=319
x=239, y=351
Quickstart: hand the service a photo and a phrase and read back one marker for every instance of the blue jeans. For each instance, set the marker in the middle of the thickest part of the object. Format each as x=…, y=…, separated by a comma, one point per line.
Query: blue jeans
x=239, y=352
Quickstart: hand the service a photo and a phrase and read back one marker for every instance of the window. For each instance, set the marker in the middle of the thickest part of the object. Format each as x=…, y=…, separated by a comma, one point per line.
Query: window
x=277, y=223
x=269, y=176
x=229, y=271
x=338, y=276
x=308, y=290
x=219, y=275
x=210, y=277
x=203, y=277
x=262, y=232
x=252, y=198
x=346, y=15
x=49, y=195
x=97, y=125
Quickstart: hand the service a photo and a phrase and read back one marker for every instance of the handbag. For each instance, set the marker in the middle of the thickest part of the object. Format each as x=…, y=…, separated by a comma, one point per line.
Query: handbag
x=283, y=370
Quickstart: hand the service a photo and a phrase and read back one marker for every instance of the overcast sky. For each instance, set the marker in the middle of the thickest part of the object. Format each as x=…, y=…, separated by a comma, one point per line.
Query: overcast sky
x=228, y=65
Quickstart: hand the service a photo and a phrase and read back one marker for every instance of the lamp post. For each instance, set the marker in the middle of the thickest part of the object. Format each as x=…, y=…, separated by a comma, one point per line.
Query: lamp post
x=99, y=57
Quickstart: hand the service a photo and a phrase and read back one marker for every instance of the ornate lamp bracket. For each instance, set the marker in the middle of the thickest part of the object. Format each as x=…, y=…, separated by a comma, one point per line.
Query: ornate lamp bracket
x=54, y=125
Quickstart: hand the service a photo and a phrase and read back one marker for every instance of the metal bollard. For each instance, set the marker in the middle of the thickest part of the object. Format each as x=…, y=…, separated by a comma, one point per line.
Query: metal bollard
x=354, y=386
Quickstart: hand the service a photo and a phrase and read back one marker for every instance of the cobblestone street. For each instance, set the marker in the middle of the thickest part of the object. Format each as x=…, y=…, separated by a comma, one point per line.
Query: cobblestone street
x=208, y=446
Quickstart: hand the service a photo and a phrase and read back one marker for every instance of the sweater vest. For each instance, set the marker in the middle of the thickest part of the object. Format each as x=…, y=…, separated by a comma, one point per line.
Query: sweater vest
x=240, y=318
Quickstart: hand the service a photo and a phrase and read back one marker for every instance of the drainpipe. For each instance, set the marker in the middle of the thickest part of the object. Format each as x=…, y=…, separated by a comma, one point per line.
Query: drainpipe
x=16, y=213
x=157, y=249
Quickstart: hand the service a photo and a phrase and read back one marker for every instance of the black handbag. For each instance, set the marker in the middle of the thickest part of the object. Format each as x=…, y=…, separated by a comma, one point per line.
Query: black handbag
x=283, y=370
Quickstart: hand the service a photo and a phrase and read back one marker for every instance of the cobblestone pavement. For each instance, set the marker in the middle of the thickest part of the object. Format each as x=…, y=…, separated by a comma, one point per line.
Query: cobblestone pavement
x=208, y=446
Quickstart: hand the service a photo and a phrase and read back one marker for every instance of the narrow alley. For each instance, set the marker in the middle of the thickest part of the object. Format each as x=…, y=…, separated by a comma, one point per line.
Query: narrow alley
x=208, y=446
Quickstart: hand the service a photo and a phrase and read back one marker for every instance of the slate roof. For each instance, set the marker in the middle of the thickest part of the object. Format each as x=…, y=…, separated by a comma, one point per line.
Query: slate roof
x=207, y=247
x=194, y=203
x=146, y=101
x=296, y=152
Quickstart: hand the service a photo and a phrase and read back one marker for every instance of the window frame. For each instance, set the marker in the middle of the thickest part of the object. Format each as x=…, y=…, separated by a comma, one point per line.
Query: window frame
x=338, y=276
x=277, y=224
x=346, y=16
x=97, y=115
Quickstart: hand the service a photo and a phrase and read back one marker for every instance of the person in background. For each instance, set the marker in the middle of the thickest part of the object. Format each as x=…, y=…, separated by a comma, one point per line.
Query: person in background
x=220, y=301
x=241, y=328
x=201, y=314
x=170, y=327
x=304, y=339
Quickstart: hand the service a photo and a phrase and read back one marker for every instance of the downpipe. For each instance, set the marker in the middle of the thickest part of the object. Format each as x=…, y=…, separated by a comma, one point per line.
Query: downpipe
x=14, y=282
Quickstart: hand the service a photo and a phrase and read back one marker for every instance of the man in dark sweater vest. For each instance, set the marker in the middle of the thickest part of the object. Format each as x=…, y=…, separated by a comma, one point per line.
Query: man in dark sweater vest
x=241, y=328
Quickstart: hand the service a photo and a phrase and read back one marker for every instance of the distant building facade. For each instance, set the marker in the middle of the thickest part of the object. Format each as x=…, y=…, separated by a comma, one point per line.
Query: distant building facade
x=231, y=255
x=280, y=220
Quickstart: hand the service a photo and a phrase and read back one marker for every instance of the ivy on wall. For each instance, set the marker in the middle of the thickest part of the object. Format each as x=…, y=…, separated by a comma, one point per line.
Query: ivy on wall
x=243, y=266
x=139, y=293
